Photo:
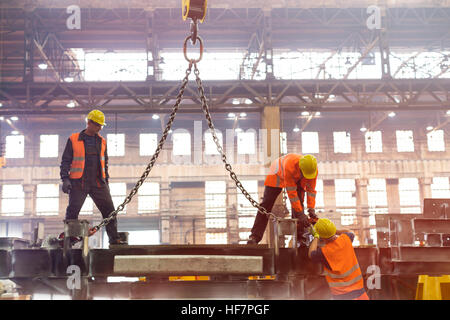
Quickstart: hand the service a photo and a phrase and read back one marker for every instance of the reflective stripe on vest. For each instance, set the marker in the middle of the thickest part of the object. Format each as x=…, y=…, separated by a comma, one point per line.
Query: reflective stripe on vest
x=345, y=274
x=78, y=160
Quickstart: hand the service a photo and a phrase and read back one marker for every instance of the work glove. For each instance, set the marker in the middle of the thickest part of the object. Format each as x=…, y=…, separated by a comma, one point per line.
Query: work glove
x=67, y=186
x=314, y=232
x=312, y=216
x=303, y=221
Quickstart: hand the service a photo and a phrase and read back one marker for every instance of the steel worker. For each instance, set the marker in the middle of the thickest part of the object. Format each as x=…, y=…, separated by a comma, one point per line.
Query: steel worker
x=298, y=174
x=84, y=171
x=338, y=257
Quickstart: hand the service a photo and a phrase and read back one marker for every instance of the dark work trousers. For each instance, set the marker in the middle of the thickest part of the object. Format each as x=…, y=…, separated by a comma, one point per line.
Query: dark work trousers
x=269, y=198
x=102, y=199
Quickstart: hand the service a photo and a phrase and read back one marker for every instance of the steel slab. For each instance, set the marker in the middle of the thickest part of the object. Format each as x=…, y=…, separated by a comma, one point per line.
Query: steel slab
x=187, y=264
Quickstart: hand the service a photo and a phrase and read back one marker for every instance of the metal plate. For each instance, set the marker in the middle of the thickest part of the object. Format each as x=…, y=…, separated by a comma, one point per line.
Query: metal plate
x=30, y=263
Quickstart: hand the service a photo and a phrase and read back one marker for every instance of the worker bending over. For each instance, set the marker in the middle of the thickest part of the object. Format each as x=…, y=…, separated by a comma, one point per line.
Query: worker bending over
x=298, y=174
x=84, y=171
x=338, y=257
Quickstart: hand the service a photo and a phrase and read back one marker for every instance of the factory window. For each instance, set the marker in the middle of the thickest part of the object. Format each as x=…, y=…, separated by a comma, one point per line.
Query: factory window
x=49, y=146
x=210, y=145
x=181, y=143
x=310, y=142
x=283, y=143
x=88, y=206
x=405, y=141
x=409, y=195
x=11, y=229
x=216, y=238
x=440, y=188
x=348, y=216
x=148, y=200
x=246, y=212
x=436, y=140
x=148, y=143
x=15, y=146
x=47, y=199
x=215, y=204
x=118, y=194
x=377, y=198
x=373, y=141
x=116, y=144
x=246, y=142
x=342, y=142
x=373, y=235
x=13, y=200
x=345, y=199
x=136, y=237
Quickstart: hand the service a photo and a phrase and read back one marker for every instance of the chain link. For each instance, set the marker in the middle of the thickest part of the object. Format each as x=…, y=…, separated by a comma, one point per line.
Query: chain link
x=228, y=167
x=114, y=213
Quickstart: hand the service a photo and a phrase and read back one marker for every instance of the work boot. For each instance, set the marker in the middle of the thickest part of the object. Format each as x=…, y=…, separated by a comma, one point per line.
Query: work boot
x=252, y=240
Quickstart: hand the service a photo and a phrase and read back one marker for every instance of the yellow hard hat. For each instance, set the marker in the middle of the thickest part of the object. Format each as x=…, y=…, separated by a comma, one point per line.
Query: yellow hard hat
x=325, y=228
x=97, y=116
x=308, y=165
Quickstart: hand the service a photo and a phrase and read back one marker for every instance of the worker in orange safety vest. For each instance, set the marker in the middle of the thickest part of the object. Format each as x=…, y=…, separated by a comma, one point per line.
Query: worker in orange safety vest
x=298, y=174
x=338, y=257
x=84, y=171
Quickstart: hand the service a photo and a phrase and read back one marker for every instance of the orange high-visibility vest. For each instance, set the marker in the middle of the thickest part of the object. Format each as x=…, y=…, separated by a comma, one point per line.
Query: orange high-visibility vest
x=285, y=173
x=77, y=167
x=345, y=274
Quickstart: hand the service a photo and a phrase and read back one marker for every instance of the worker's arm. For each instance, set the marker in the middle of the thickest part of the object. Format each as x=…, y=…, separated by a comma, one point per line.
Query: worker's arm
x=66, y=160
x=313, y=246
x=311, y=193
x=106, y=164
x=291, y=189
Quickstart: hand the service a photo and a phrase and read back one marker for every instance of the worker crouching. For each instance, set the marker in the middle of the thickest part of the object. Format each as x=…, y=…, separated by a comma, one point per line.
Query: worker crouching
x=338, y=257
x=298, y=174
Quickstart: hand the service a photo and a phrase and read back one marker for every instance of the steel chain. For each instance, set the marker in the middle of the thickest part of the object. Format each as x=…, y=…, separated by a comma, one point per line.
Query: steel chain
x=228, y=167
x=114, y=213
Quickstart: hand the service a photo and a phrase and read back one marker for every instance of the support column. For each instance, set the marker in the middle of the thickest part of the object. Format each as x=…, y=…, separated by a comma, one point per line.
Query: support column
x=329, y=199
x=153, y=70
x=232, y=213
x=425, y=189
x=362, y=212
x=165, y=208
x=28, y=47
x=270, y=124
x=393, y=197
x=268, y=49
x=30, y=210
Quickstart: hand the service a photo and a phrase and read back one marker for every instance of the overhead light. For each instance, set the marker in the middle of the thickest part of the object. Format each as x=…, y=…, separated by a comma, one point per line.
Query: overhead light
x=237, y=130
x=296, y=129
x=14, y=118
x=248, y=101
x=318, y=113
x=2, y=118
x=242, y=115
x=155, y=117
x=14, y=132
x=71, y=104
x=1, y=104
x=231, y=115
x=363, y=128
x=42, y=66
x=68, y=79
x=235, y=101
x=391, y=114
x=448, y=112
x=429, y=128
x=305, y=113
